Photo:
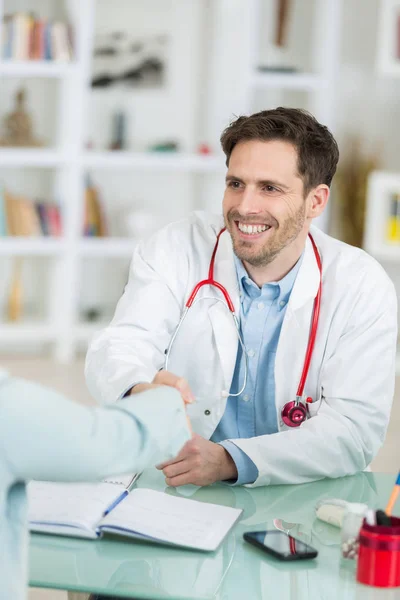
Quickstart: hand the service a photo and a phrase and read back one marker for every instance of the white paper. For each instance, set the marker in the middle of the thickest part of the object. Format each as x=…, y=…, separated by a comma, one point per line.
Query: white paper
x=172, y=520
x=124, y=480
x=79, y=505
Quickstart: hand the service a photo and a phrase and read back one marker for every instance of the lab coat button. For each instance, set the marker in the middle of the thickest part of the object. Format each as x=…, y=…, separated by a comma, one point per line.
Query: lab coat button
x=251, y=353
x=207, y=412
x=260, y=305
x=246, y=398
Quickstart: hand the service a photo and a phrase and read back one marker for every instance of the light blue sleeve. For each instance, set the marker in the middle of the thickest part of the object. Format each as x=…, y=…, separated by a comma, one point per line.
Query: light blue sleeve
x=247, y=470
x=45, y=436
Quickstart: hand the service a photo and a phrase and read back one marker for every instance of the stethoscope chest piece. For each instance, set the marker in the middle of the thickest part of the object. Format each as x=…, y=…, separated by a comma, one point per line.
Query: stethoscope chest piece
x=294, y=413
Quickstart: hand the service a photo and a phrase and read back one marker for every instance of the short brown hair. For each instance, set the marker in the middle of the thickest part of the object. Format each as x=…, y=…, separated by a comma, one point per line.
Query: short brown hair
x=317, y=150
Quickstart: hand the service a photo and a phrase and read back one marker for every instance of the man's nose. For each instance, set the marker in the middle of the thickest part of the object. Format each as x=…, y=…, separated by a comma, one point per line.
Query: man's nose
x=250, y=202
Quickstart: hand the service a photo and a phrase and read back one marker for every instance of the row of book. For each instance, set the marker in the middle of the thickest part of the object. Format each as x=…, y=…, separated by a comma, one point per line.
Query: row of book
x=26, y=37
x=21, y=216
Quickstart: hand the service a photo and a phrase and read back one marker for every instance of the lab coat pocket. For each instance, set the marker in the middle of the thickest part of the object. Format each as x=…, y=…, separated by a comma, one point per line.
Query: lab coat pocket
x=313, y=407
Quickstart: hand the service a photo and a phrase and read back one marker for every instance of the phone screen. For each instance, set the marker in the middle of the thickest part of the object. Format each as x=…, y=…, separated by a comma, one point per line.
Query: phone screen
x=280, y=544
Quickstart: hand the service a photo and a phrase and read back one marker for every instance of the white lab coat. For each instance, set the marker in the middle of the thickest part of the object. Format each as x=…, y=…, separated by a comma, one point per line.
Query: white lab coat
x=351, y=377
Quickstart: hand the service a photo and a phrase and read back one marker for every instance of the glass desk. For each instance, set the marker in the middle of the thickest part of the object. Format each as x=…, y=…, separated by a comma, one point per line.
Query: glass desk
x=237, y=570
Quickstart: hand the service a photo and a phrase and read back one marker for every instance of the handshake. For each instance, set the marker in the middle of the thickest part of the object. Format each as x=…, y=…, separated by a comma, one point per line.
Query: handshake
x=200, y=462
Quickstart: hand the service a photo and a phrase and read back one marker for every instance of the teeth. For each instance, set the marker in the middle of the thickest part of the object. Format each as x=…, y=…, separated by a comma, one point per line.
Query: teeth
x=251, y=229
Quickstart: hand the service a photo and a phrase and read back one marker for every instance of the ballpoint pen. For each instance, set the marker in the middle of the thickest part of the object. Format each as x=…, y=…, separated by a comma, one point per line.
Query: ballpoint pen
x=115, y=503
x=393, y=497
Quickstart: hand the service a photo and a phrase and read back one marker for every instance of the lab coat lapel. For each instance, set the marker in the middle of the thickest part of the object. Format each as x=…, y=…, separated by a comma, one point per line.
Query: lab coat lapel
x=224, y=330
x=295, y=330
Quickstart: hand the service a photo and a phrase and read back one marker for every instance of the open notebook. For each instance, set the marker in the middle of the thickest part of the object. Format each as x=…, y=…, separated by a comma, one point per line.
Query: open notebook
x=79, y=510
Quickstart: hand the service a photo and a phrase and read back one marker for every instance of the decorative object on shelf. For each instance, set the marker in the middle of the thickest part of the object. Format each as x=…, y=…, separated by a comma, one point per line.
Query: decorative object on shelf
x=351, y=192
x=18, y=125
x=204, y=149
x=282, y=19
x=14, y=304
x=118, y=131
x=277, y=69
x=92, y=314
x=393, y=221
x=28, y=38
x=120, y=58
x=94, y=223
x=167, y=146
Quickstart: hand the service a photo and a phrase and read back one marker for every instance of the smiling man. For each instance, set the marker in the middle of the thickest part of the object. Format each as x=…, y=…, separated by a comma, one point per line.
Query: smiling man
x=288, y=346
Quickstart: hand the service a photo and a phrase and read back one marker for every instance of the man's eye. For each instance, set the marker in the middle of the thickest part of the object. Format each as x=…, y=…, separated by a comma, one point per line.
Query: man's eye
x=234, y=184
x=271, y=188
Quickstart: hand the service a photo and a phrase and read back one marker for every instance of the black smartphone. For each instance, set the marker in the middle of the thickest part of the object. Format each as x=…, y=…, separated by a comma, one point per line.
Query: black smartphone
x=280, y=544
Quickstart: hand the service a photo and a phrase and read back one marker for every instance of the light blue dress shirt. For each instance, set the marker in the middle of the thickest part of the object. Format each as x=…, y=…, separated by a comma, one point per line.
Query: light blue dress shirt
x=253, y=413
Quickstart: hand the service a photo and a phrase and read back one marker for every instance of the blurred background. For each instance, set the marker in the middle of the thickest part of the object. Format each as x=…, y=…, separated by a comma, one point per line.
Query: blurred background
x=110, y=117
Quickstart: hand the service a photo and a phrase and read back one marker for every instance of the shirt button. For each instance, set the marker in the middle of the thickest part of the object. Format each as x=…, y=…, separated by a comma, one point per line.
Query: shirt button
x=207, y=412
x=260, y=305
x=251, y=353
x=282, y=303
x=246, y=398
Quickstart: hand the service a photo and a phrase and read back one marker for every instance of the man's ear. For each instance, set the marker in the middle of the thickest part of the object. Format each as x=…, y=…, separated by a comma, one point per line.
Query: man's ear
x=317, y=200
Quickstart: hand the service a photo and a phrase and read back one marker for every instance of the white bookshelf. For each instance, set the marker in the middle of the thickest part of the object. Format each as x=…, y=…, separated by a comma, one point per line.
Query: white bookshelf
x=35, y=68
x=15, y=246
x=35, y=157
x=228, y=81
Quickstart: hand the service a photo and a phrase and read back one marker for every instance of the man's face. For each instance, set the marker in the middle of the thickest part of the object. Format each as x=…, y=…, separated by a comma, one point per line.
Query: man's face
x=264, y=205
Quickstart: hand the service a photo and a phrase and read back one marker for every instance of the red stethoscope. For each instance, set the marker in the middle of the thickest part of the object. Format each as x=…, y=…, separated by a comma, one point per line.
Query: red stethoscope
x=295, y=412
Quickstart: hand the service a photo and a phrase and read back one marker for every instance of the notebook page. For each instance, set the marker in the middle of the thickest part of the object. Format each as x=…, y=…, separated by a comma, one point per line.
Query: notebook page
x=173, y=520
x=124, y=480
x=76, y=504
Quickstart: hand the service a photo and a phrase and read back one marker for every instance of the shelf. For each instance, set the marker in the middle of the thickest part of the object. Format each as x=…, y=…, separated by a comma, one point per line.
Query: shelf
x=27, y=332
x=20, y=246
x=33, y=68
x=30, y=157
x=107, y=247
x=154, y=160
x=295, y=81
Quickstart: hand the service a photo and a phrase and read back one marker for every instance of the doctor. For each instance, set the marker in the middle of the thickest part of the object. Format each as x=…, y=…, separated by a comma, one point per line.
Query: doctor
x=295, y=384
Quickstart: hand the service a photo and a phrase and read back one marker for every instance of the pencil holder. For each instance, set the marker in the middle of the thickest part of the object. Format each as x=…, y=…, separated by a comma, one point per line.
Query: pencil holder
x=379, y=555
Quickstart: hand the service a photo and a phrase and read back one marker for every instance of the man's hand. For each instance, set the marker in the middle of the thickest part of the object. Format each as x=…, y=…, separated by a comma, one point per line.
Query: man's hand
x=169, y=379
x=200, y=462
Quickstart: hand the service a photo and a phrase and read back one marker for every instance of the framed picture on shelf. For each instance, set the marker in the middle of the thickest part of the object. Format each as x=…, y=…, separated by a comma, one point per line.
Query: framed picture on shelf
x=382, y=227
x=388, y=40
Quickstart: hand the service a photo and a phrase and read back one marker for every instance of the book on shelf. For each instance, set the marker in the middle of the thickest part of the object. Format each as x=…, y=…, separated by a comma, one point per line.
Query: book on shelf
x=22, y=216
x=94, y=219
x=92, y=510
x=26, y=37
x=393, y=221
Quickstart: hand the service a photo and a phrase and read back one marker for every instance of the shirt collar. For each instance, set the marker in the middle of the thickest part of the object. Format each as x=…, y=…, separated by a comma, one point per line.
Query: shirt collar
x=282, y=289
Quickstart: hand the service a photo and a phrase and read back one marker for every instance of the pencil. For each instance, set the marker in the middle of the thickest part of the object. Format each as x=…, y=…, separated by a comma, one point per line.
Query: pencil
x=393, y=497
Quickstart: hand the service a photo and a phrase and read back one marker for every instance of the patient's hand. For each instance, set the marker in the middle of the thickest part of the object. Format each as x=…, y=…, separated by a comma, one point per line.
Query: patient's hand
x=171, y=380
x=200, y=462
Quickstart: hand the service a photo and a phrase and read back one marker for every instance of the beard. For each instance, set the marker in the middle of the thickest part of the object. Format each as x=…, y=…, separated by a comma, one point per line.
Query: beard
x=278, y=237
